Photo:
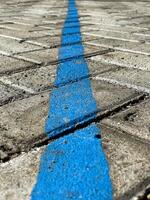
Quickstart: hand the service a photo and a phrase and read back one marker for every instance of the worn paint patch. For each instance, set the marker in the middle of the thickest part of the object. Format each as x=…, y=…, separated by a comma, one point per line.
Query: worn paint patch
x=73, y=166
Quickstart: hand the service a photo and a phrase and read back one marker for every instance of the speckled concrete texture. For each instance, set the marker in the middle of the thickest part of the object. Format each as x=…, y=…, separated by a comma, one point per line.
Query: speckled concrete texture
x=116, y=41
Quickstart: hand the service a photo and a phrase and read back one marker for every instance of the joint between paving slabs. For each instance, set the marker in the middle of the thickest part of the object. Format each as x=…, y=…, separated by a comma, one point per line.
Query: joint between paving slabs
x=43, y=140
x=35, y=64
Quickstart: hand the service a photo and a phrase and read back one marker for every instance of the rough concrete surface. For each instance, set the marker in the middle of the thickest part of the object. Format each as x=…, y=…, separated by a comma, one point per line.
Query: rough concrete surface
x=116, y=41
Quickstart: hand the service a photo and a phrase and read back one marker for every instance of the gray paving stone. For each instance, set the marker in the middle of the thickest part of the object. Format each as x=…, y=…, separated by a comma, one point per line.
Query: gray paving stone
x=128, y=161
x=103, y=91
x=24, y=34
x=9, y=64
x=136, y=21
x=118, y=34
x=116, y=27
x=134, y=120
x=134, y=47
x=13, y=46
x=18, y=176
x=48, y=19
x=36, y=28
x=134, y=78
x=146, y=32
x=39, y=79
x=129, y=60
x=7, y=94
x=34, y=79
x=17, y=26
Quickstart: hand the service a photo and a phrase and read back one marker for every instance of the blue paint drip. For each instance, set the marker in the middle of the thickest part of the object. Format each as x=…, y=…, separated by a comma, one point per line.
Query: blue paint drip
x=73, y=166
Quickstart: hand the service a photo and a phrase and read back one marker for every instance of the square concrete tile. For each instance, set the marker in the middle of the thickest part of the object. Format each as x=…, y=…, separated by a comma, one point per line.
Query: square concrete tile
x=134, y=121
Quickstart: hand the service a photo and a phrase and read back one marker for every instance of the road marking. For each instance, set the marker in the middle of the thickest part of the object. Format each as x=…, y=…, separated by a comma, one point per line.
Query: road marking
x=73, y=166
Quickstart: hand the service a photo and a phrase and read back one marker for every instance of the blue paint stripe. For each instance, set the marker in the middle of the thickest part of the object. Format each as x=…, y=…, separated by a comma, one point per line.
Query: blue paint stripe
x=74, y=166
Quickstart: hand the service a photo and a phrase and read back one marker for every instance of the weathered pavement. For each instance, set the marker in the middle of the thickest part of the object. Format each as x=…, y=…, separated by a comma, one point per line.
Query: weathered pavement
x=116, y=41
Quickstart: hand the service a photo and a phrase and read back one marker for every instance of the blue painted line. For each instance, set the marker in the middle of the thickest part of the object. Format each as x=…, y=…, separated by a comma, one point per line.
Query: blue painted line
x=73, y=166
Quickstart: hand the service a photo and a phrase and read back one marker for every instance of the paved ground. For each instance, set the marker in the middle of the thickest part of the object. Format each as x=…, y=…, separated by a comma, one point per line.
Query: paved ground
x=116, y=41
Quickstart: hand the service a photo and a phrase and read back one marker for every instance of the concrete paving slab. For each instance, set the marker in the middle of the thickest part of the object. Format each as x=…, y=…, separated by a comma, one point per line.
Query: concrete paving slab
x=40, y=79
x=9, y=64
x=25, y=34
x=134, y=78
x=134, y=120
x=129, y=60
x=23, y=120
x=116, y=27
x=7, y=94
x=128, y=160
x=37, y=79
x=18, y=176
x=25, y=125
x=125, y=46
x=38, y=21
x=144, y=23
x=146, y=32
x=40, y=28
x=119, y=35
x=135, y=21
x=17, y=26
x=111, y=12
x=143, y=36
x=103, y=91
x=13, y=46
